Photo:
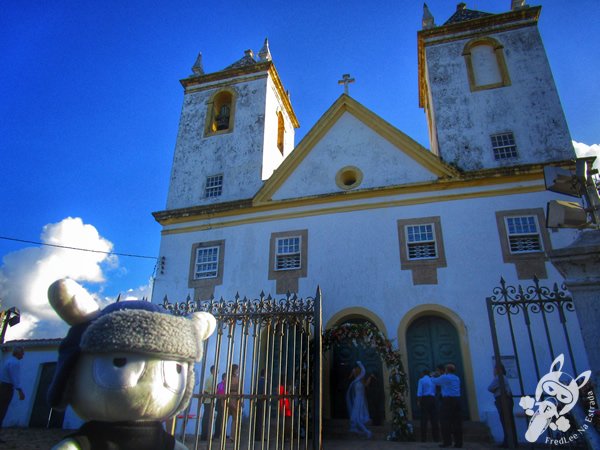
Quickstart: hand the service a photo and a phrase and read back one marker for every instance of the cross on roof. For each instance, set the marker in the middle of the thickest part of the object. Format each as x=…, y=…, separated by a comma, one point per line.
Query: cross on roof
x=346, y=80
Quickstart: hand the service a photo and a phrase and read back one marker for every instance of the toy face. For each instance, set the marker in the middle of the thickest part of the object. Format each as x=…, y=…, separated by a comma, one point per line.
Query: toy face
x=127, y=386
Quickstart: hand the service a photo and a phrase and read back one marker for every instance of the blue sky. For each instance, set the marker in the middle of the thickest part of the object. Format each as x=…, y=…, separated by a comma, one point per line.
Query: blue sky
x=90, y=101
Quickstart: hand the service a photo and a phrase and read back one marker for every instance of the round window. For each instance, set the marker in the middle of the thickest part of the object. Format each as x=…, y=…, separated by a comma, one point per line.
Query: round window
x=348, y=177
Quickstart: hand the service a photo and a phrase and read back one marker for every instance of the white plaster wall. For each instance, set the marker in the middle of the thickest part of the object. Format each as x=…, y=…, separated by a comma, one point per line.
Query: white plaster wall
x=272, y=156
x=237, y=155
x=351, y=143
x=354, y=257
x=530, y=106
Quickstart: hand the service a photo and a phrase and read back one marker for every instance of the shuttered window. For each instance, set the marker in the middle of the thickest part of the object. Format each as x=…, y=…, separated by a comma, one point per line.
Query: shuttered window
x=207, y=262
x=523, y=234
x=420, y=242
x=287, y=253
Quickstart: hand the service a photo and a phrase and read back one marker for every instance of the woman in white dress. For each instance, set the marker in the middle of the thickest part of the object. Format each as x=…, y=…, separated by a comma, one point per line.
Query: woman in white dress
x=356, y=400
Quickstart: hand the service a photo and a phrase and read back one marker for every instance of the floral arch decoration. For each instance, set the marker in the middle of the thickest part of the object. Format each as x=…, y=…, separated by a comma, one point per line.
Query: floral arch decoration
x=367, y=334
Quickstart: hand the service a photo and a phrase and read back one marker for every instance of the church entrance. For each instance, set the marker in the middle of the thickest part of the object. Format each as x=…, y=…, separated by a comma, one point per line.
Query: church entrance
x=431, y=341
x=345, y=355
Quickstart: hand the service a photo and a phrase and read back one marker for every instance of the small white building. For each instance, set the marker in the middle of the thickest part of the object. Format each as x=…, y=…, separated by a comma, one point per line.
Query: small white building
x=37, y=370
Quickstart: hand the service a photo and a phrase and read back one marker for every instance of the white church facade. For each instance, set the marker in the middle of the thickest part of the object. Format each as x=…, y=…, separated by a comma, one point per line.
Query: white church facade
x=408, y=238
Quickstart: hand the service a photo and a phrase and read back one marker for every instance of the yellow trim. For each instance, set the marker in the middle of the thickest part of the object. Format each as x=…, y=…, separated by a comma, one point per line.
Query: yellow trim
x=342, y=182
x=499, y=54
x=211, y=112
x=431, y=309
x=334, y=210
x=480, y=179
x=226, y=83
x=337, y=319
x=346, y=104
x=353, y=313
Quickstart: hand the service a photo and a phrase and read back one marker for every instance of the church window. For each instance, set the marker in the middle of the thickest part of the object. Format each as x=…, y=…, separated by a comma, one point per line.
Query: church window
x=207, y=262
x=523, y=234
x=219, y=116
x=280, y=131
x=288, y=259
x=486, y=66
x=523, y=242
x=420, y=241
x=422, y=248
x=214, y=186
x=288, y=253
x=504, y=146
x=206, y=268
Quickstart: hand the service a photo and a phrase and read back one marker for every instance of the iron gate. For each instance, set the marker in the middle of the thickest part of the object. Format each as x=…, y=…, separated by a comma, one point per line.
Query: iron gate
x=267, y=353
x=530, y=327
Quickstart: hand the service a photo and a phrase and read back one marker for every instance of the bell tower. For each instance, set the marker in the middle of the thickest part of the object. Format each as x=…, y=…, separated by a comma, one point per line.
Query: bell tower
x=236, y=127
x=488, y=92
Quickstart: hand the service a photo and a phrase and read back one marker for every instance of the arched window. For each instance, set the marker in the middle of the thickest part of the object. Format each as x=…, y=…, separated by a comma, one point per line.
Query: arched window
x=486, y=67
x=280, y=131
x=220, y=113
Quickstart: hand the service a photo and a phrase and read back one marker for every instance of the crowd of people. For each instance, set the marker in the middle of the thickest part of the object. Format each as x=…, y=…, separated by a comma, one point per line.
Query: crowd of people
x=438, y=401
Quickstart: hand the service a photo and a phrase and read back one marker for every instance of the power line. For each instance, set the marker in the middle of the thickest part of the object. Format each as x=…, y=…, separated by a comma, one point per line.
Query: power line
x=77, y=248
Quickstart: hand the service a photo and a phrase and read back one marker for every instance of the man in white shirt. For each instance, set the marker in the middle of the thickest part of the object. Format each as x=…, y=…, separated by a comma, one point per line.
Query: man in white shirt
x=208, y=403
x=426, y=402
x=10, y=381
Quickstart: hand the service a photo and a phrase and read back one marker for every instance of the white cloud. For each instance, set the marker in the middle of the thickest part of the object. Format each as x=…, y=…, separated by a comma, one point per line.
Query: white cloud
x=139, y=293
x=26, y=274
x=582, y=149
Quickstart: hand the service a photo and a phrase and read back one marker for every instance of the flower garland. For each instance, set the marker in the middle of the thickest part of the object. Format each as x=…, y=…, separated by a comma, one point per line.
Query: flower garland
x=368, y=335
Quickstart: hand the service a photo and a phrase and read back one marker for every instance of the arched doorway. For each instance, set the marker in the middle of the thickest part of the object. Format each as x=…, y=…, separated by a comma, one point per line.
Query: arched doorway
x=345, y=355
x=430, y=341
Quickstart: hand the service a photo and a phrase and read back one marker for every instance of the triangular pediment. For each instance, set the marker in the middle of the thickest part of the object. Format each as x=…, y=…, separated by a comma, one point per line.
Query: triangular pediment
x=349, y=141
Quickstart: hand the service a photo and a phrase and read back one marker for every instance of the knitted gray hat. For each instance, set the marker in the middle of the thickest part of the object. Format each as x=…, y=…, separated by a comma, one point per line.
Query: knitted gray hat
x=133, y=327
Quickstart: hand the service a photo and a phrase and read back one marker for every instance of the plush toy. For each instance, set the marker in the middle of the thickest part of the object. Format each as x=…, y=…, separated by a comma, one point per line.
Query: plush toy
x=124, y=369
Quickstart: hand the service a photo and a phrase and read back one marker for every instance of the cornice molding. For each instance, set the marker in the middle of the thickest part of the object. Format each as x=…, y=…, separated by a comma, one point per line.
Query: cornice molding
x=482, y=178
x=196, y=83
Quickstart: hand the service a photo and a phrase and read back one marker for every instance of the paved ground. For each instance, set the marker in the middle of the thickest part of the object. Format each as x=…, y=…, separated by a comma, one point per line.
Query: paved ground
x=43, y=439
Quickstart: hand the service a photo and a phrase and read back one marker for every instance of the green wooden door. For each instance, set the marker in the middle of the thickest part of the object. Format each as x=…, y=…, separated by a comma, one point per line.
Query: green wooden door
x=430, y=341
x=345, y=356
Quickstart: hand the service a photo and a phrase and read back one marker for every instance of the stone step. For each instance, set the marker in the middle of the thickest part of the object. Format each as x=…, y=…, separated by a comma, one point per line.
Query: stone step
x=472, y=431
x=338, y=429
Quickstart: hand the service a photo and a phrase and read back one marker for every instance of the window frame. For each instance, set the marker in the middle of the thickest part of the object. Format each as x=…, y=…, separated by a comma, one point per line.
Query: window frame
x=499, y=150
x=280, y=132
x=204, y=287
x=278, y=254
x=287, y=280
x=213, y=187
x=417, y=243
x=510, y=234
x=213, y=105
x=424, y=270
x=214, y=261
x=531, y=263
x=498, y=49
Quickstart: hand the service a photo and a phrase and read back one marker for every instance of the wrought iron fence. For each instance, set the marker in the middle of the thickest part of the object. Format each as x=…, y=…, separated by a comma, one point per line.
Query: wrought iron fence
x=260, y=377
x=530, y=327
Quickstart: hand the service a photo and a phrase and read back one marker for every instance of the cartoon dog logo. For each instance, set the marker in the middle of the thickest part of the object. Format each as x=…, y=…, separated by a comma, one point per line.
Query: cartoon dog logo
x=556, y=394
